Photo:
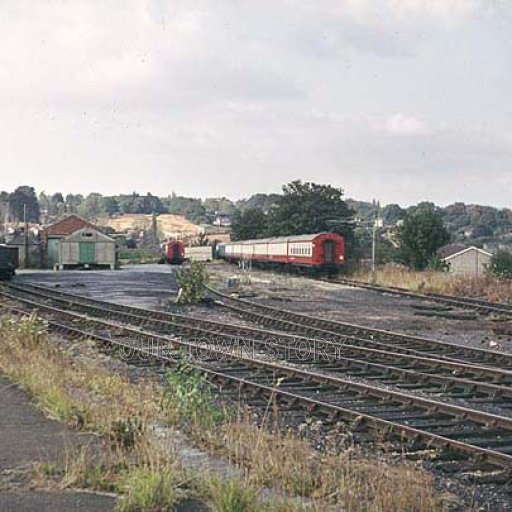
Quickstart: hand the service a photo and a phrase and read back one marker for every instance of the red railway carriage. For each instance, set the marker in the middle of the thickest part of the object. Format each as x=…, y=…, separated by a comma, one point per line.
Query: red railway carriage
x=320, y=251
x=175, y=252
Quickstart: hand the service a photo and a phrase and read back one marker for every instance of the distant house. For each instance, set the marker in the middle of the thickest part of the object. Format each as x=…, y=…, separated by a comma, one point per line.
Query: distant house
x=74, y=242
x=222, y=220
x=469, y=261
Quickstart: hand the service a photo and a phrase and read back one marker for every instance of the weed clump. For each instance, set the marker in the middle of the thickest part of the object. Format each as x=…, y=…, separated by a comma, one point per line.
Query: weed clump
x=192, y=281
x=188, y=398
x=232, y=496
x=151, y=489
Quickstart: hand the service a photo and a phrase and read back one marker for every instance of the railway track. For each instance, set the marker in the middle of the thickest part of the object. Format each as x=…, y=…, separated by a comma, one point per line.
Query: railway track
x=448, y=380
x=300, y=323
x=478, y=305
x=483, y=437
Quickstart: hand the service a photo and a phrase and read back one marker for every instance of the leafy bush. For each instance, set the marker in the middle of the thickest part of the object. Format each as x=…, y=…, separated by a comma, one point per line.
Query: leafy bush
x=191, y=281
x=189, y=396
x=27, y=331
x=437, y=264
x=501, y=265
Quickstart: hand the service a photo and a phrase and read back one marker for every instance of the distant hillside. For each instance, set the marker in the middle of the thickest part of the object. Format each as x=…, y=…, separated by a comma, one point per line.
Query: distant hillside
x=466, y=222
x=169, y=225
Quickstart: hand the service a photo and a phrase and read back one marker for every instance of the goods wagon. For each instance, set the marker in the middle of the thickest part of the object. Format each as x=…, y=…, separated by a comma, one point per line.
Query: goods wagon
x=175, y=252
x=319, y=252
x=199, y=253
x=9, y=262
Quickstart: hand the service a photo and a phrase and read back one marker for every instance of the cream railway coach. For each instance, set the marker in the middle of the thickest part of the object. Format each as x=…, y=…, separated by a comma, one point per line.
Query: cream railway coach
x=320, y=251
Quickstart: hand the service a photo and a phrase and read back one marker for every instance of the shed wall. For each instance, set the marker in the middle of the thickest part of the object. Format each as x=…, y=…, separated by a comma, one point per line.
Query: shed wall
x=471, y=263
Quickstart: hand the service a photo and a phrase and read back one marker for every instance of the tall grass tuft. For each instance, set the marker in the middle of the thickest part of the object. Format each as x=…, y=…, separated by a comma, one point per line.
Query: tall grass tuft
x=488, y=287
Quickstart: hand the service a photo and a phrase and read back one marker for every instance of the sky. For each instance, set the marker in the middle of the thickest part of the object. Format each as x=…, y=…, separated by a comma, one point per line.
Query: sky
x=397, y=100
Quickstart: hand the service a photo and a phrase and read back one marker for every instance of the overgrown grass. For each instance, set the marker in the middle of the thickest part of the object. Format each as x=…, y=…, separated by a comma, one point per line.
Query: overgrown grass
x=150, y=489
x=148, y=477
x=84, y=394
x=489, y=287
x=287, y=463
x=232, y=496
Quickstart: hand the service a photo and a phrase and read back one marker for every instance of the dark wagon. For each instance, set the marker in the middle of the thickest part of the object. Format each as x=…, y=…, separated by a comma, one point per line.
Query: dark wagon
x=9, y=262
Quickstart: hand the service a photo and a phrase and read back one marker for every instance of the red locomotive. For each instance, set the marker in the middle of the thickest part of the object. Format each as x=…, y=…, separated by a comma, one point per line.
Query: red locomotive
x=319, y=252
x=175, y=252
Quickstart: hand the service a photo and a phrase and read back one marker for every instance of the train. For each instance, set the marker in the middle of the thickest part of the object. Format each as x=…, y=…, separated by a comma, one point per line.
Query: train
x=9, y=262
x=319, y=252
x=174, y=252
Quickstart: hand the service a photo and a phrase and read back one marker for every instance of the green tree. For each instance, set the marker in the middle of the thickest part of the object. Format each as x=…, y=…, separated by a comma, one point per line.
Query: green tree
x=392, y=213
x=4, y=206
x=501, y=265
x=420, y=235
x=219, y=205
x=92, y=207
x=249, y=223
x=74, y=202
x=22, y=197
x=310, y=208
x=111, y=205
x=264, y=202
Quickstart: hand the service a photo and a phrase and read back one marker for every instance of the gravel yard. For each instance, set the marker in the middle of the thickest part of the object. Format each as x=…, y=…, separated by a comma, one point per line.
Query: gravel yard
x=154, y=287
x=363, y=307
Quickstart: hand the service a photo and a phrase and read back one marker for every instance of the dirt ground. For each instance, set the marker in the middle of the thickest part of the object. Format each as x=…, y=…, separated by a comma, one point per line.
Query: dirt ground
x=150, y=286
x=168, y=224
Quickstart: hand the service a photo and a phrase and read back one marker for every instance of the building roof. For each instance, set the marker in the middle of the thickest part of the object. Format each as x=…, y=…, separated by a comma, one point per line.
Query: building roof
x=468, y=249
x=449, y=249
x=68, y=225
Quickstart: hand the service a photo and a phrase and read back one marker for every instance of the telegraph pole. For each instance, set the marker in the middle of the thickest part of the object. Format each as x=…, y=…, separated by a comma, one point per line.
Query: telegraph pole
x=377, y=223
x=374, y=248
x=26, y=235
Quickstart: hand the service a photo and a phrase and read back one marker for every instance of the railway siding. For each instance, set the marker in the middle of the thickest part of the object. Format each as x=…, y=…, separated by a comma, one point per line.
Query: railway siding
x=472, y=432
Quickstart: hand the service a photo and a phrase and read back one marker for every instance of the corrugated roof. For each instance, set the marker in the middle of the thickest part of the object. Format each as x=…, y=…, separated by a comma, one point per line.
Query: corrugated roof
x=68, y=225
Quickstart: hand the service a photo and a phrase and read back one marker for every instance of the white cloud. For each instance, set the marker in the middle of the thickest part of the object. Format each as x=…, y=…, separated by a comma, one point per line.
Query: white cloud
x=448, y=10
x=405, y=126
x=369, y=10
x=184, y=95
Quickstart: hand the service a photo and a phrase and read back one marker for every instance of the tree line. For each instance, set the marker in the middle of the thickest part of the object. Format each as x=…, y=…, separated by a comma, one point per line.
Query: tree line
x=413, y=235
x=45, y=207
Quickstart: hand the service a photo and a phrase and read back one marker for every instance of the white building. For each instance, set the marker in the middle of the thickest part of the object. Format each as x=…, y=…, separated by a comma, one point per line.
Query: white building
x=471, y=262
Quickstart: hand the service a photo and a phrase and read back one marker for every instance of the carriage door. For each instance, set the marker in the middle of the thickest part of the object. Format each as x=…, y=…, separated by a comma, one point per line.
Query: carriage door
x=329, y=247
x=176, y=252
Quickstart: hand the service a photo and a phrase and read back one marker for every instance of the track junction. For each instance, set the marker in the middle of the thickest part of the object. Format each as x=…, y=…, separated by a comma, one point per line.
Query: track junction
x=424, y=392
